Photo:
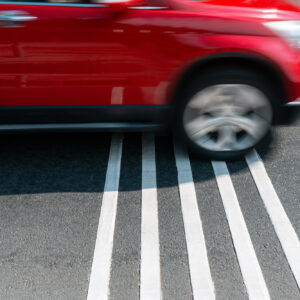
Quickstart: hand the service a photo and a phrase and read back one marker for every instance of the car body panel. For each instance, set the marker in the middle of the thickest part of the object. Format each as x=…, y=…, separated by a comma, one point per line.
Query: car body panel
x=68, y=56
x=258, y=10
x=90, y=55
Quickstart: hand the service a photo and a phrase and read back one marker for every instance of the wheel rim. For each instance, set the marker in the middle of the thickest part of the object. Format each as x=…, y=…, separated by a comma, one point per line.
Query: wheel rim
x=227, y=117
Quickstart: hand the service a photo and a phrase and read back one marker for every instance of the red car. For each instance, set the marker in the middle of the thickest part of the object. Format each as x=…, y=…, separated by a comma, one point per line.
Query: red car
x=219, y=71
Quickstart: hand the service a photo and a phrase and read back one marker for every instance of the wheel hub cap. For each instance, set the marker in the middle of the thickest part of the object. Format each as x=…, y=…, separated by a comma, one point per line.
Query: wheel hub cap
x=227, y=117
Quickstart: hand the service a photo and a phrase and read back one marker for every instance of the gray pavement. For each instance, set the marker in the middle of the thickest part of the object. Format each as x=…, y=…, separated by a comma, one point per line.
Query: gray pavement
x=51, y=191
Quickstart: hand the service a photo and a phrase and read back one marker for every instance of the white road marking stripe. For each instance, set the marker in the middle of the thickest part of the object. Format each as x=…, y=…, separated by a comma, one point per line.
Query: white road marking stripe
x=100, y=274
x=283, y=227
x=201, y=280
x=251, y=271
x=150, y=283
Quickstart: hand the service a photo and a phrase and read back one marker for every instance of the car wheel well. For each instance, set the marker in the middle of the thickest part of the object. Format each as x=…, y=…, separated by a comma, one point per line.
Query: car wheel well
x=241, y=61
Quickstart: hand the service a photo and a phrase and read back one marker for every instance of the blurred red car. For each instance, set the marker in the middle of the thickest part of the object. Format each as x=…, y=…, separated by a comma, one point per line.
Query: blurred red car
x=219, y=71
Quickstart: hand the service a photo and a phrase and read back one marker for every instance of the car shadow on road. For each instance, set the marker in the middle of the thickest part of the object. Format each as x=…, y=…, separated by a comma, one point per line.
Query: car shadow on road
x=77, y=162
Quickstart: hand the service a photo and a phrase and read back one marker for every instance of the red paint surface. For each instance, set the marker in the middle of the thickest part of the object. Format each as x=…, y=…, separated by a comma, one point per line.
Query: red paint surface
x=77, y=55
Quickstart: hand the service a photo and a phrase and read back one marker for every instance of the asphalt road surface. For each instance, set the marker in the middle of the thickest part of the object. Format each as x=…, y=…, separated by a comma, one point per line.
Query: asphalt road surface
x=133, y=216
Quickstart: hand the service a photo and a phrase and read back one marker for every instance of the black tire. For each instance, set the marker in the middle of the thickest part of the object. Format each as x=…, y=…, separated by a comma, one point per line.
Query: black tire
x=224, y=75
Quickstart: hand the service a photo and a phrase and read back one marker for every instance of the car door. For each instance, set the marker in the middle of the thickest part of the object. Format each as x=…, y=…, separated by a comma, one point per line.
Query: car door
x=56, y=55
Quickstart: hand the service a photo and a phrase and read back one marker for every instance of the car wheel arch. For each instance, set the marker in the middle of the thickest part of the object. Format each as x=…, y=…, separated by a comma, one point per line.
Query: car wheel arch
x=250, y=61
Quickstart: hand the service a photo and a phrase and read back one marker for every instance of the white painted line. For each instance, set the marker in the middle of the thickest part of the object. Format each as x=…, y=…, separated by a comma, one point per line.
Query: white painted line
x=150, y=284
x=117, y=95
x=250, y=269
x=100, y=274
x=201, y=280
x=282, y=225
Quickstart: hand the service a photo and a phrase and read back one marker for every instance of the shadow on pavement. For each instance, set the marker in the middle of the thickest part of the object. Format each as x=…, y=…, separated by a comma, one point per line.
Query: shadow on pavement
x=77, y=162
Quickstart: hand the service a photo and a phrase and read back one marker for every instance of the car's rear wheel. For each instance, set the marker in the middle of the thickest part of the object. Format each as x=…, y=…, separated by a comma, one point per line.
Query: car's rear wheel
x=226, y=112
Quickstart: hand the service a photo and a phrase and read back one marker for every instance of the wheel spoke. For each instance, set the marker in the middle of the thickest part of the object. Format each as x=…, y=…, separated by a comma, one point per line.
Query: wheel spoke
x=203, y=101
x=250, y=98
x=202, y=125
x=254, y=126
x=226, y=138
